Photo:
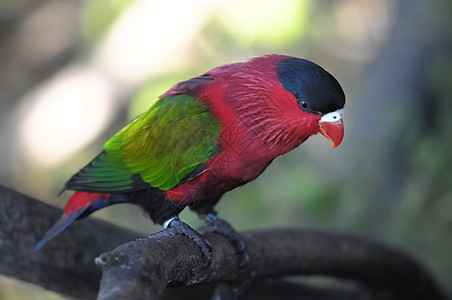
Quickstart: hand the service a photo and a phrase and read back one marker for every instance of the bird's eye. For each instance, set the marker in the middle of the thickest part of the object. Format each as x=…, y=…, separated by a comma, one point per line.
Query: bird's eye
x=304, y=105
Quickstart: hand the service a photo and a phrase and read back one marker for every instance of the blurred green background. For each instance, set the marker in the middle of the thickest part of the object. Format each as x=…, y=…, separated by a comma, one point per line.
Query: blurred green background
x=74, y=72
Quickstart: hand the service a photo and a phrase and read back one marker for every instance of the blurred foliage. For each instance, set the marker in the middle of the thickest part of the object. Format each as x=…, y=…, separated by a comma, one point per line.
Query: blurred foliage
x=15, y=290
x=259, y=23
x=98, y=16
x=9, y=9
x=389, y=180
x=422, y=216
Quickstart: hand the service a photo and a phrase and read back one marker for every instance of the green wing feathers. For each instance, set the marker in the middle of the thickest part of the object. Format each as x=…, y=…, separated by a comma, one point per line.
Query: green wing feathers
x=166, y=143
x=99, y=176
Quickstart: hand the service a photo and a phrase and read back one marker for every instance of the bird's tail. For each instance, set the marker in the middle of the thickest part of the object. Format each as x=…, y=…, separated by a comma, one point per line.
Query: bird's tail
x=79, y=205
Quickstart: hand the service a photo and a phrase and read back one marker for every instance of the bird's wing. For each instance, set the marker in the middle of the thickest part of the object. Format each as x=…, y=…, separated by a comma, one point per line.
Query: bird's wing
x=167, y=145
x=99, y=176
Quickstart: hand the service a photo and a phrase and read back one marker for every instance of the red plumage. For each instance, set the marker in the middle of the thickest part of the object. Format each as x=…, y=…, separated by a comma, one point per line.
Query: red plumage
x=81, y=200
x=260, y=121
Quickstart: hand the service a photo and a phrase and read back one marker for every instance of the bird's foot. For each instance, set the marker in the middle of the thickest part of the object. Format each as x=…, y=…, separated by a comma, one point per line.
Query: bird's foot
x=175, y=226
x=217, y=225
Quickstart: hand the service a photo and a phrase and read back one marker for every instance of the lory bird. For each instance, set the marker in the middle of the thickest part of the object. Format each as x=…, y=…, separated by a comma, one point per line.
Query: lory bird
x=206, y=136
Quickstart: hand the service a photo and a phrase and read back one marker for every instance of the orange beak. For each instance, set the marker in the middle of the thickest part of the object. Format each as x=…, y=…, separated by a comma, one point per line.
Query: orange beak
x=332, y=127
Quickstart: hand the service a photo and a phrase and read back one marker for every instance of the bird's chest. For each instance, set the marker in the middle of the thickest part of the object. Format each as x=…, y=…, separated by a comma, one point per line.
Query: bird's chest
x=242, y=156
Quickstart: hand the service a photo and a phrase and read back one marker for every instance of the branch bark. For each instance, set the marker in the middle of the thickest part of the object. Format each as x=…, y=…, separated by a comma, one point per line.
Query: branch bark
x=145, y=267
x=142, y=269
x=65, y=265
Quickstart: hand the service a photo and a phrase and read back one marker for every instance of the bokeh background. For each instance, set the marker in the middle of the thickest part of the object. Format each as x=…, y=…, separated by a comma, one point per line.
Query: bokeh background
x=72, y=73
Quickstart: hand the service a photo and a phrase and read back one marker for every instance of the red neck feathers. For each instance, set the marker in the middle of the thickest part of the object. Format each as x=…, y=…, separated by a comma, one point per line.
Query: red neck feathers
x=248, y=97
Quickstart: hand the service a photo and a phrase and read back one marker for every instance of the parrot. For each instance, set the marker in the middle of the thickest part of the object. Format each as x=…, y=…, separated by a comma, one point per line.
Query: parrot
x=204, y=137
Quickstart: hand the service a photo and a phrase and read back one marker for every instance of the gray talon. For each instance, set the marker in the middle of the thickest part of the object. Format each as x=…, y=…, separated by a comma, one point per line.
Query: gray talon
x=175, y=226
x=217, y=225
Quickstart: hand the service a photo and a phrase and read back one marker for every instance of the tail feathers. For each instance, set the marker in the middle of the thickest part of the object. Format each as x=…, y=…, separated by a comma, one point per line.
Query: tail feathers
x=79, y=205
x=81, y=201
x=59, y=226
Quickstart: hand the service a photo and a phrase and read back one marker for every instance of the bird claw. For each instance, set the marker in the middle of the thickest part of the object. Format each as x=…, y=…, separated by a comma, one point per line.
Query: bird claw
x=217, y=225
x=175, y=226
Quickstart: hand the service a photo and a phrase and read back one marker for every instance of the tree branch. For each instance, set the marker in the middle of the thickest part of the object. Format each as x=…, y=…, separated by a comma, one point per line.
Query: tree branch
x=143, y=268
x=65, y=265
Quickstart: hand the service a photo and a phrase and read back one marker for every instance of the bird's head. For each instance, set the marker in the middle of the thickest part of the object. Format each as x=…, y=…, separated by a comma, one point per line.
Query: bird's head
x=319, y=97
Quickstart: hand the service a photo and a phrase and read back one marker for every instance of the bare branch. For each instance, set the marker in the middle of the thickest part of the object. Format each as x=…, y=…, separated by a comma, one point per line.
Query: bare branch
x=142, y=269
x=66, y=264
